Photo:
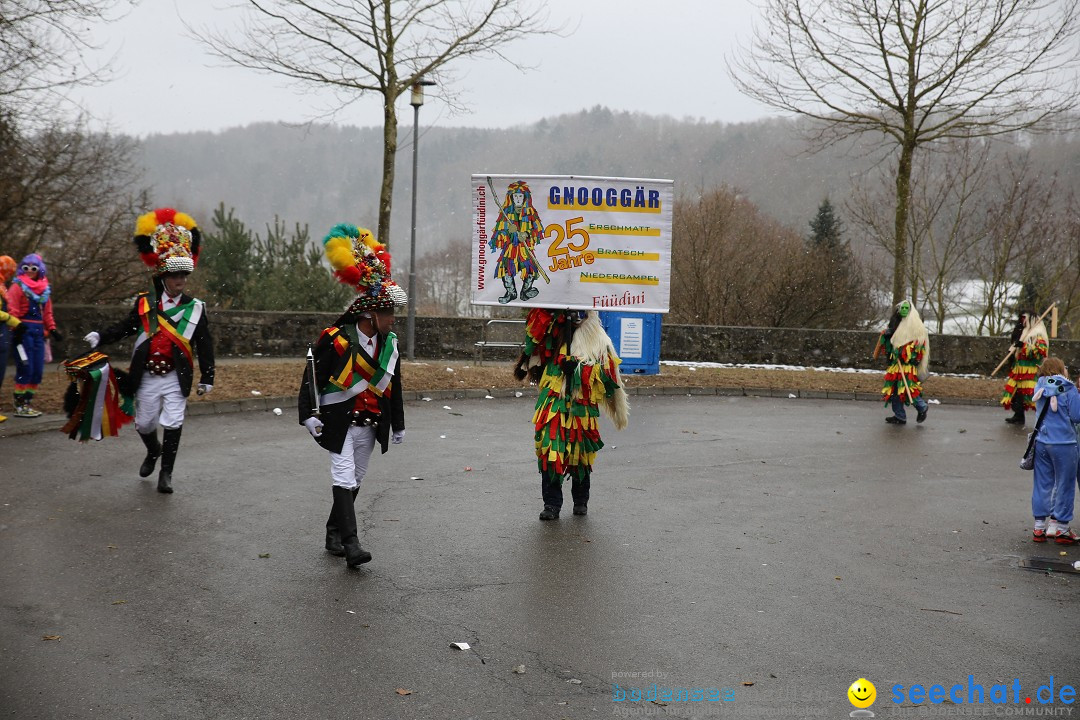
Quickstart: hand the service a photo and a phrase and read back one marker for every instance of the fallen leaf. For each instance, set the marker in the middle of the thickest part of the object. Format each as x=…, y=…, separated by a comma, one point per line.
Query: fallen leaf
x=519, y=670
x=111, y=547
x=391, y=520
x=118, y=602
x=839, y=578
x=403, y=691
x=468, y=468
x=264, y=555
x=574, y=681
x=747, y=683
x=51, y=637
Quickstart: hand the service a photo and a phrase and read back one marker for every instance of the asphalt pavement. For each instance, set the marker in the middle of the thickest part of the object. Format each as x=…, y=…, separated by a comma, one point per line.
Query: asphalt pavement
x=765, y=551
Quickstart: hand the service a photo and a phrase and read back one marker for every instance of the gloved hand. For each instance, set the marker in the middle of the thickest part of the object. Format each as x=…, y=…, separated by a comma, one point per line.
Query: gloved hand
x=398, y=437
x=568, y=365
x=93, y=338
x=17, y=332
x=204, y=389
x=56, y=335
x=314, y=426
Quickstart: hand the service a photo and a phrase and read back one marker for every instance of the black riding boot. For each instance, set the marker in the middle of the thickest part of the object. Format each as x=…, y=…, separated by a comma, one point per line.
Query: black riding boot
x=170, y=443
x=345, y=517
x=333, y=536
x=153, y=452
x=579, y=488
x=1018, y=412
x=551, y=490
x=511, y=291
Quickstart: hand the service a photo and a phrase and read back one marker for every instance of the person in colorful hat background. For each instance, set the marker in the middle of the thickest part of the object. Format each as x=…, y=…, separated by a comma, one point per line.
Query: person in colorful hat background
x=30, y=300
x=351, y=394
x=173, y=332
x=907, y=345
x=1031, y=345
x=571, y=358
x=11, y=329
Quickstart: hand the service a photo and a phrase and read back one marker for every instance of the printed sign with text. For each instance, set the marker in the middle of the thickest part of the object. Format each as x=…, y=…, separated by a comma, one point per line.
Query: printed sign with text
x=585, y=243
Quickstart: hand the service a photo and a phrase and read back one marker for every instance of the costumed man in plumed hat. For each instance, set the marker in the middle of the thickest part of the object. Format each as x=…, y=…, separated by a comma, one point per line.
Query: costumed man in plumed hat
x=11, y=329
x=1031, y=344
x=351, y=394
x=907, y=345
x=30, y=300
x=173, y=332
x=516, y=234
x=568, y=354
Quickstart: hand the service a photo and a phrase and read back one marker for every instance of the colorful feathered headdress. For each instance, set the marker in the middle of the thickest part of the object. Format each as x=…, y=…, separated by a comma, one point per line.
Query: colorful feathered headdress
x=363, y=264
x=168, y=241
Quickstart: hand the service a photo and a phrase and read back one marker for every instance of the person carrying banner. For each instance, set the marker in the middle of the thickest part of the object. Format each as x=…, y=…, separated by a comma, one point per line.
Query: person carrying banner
x=571, y=358
x=30, y=300
x=907, y=346
x=351, y=394
x=173, y=331
x=516, y=234
x=1031, y=344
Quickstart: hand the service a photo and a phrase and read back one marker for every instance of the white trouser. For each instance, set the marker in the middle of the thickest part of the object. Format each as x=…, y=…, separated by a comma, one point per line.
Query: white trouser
x=349, y=467
x=159, y=401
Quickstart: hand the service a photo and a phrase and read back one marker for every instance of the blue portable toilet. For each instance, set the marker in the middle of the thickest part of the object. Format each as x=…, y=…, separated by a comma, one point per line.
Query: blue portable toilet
x=636, y=337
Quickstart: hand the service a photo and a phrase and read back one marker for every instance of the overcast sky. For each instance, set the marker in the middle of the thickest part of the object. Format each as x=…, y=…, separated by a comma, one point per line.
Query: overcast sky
x=637, y=55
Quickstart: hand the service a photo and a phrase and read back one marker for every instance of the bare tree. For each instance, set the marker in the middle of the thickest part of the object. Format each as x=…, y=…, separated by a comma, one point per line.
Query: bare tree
x=734, y=266
x=944, y=223
x=44, y=50
x=1018, y=228
x=356, y=47
x=915, y=72
x=72, y=196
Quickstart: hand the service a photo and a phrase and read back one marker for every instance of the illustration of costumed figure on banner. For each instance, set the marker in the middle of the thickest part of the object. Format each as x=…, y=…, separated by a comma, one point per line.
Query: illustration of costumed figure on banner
x=571, y=358
x=30, y=300
x=1032, y=344
x=172, y=332
x=517, y=232
x=351, y=393
x=907, y=345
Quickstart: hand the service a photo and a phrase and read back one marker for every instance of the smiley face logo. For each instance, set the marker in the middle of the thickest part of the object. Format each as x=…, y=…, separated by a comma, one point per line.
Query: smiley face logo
x=862, y=693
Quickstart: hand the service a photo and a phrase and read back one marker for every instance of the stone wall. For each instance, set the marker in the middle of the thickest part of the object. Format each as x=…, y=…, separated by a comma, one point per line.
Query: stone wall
x=281, y=334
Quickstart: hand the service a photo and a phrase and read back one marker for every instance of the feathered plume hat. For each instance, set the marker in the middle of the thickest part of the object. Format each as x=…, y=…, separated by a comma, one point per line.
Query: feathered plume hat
x=168, y=241
x=363, y=264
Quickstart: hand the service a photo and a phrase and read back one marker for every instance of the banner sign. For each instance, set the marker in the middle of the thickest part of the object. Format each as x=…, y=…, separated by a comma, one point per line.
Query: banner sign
x=565, y=241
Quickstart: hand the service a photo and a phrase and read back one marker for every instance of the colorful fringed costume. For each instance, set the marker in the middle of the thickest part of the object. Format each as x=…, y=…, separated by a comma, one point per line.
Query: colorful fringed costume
x=906, y=343
x=1032, y=345
x=577, y=370
x=516, y=235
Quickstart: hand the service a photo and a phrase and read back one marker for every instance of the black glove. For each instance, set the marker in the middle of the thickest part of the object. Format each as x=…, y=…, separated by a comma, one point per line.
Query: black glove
x=568, y=365
x=56, y=335
x=17, y=332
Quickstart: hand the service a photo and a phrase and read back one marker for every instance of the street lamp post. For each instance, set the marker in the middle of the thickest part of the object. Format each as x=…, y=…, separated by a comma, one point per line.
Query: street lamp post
x=416, y=101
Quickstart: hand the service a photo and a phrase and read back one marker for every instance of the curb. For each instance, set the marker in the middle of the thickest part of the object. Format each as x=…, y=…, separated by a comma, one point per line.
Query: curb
x=46, y=423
